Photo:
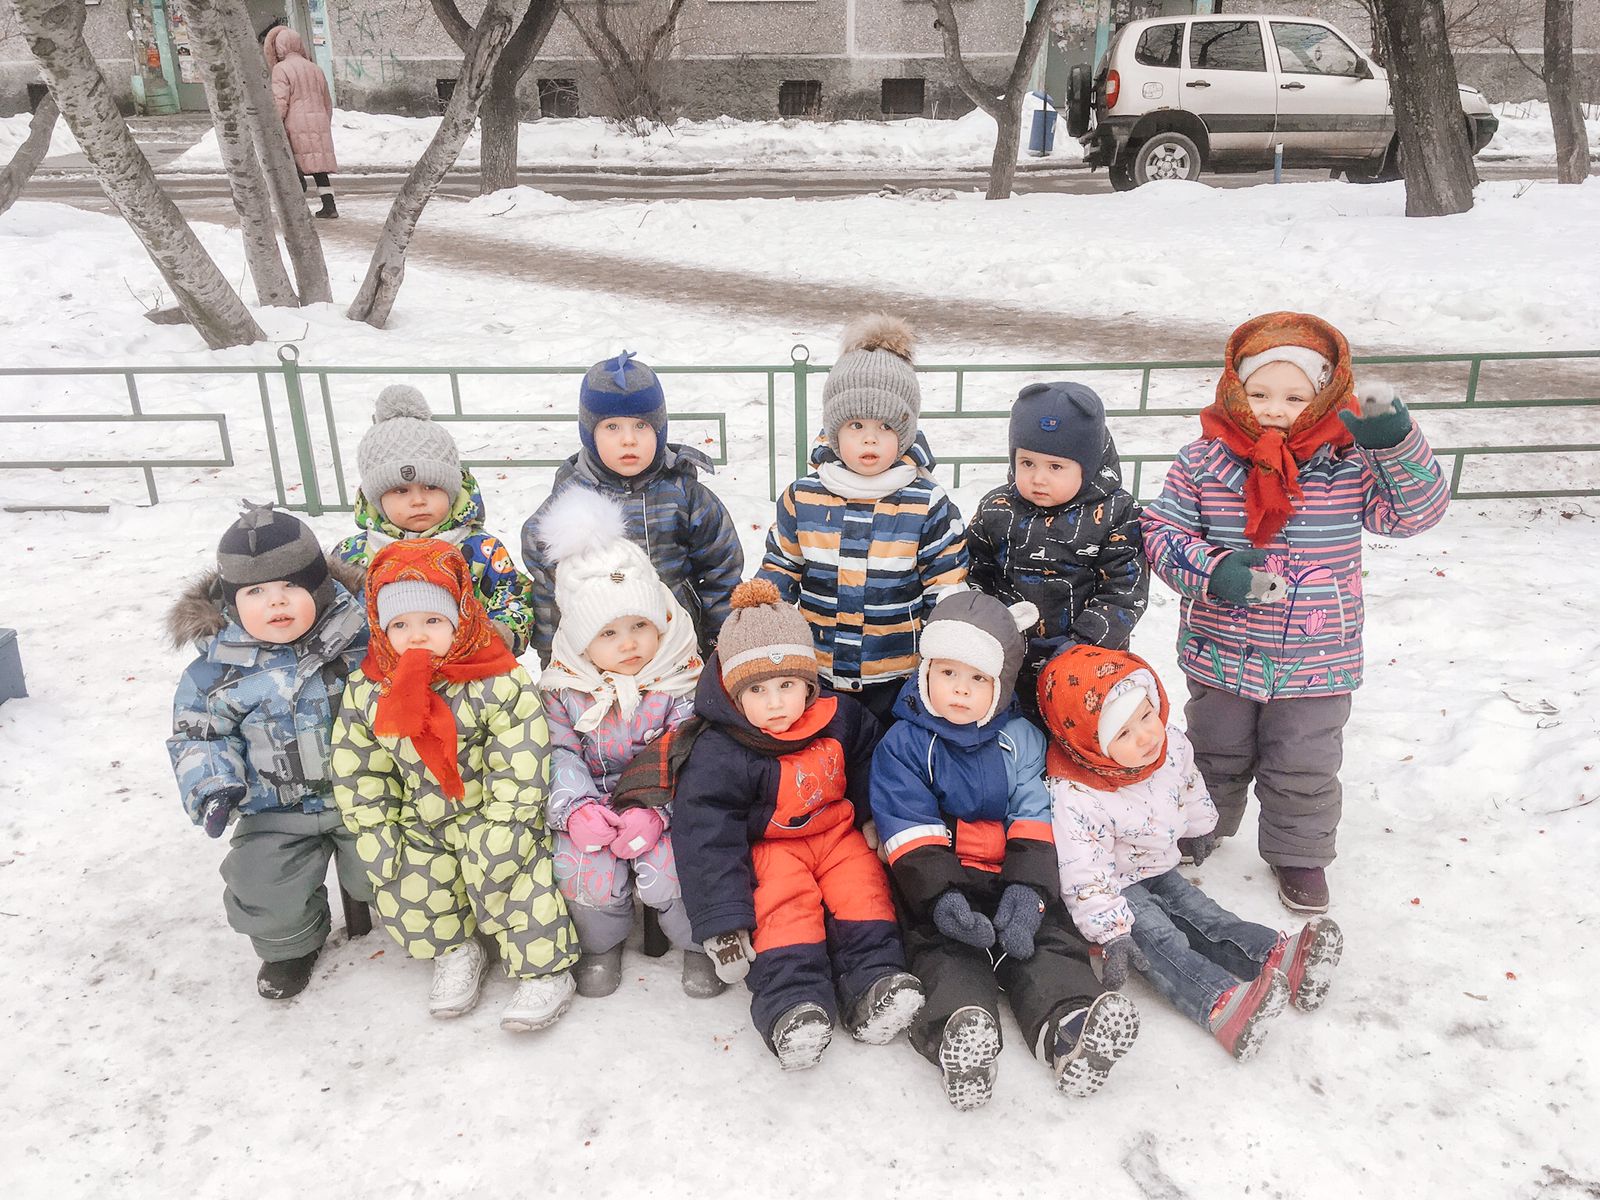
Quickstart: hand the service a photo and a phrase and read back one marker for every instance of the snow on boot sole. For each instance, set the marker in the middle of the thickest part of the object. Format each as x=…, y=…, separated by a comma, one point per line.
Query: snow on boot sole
x=1311, y=974
x=1108, y=1033
x=1253, y=1033
x=285, y=979
x=893, y=1011
x=967, y=1054
x=800, y=1037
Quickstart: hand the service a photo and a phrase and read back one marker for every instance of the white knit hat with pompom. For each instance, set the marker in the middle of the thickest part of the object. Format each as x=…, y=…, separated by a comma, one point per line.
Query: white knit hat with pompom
x=600, y=575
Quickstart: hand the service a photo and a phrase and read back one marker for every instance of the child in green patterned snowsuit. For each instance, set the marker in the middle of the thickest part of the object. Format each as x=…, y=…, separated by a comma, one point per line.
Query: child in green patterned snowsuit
x=441, y=769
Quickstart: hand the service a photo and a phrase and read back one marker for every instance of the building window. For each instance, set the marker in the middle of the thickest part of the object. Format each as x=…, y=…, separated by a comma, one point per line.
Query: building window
x=800, y=98
x=558, y=97
x=902, y=97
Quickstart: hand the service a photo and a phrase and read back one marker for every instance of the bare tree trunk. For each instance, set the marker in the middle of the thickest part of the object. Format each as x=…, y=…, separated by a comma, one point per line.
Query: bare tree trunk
x=1561, y=88
x=219, y=71
x=30, y=154
x=1006, y=109
x=387, y=270
x=1436, y=157
x=272, y=149
x=54, y=29
x=498, y=117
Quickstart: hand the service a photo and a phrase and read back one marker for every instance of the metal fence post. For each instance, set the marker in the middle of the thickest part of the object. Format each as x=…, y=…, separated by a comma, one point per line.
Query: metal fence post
x=289, y=356
x=800, y=356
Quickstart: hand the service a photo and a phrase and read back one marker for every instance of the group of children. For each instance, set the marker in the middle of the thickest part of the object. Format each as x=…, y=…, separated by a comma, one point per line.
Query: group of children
x=910, y=765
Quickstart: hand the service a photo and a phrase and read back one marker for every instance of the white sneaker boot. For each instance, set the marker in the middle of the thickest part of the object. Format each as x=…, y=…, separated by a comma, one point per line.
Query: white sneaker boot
x=458, y=980
x=539, y=1002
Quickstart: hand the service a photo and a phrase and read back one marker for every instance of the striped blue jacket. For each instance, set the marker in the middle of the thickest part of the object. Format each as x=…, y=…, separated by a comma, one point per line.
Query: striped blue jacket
x=863, y=571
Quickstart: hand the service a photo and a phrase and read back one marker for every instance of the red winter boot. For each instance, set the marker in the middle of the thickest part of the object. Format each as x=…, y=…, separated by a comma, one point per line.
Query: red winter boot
x=1307, y=960
x=1240, y=1016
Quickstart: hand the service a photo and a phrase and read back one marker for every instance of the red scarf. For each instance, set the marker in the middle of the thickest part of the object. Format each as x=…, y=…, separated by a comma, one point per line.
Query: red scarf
x=408, y=705
x=1272, y=487
x=1072, y=688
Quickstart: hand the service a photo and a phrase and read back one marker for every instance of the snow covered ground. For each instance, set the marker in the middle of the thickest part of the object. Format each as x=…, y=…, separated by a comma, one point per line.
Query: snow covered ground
x=1453, y=1056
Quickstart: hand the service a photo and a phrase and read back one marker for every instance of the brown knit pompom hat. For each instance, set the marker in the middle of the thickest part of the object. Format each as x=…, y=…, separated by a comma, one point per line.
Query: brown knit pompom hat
x=764, y=638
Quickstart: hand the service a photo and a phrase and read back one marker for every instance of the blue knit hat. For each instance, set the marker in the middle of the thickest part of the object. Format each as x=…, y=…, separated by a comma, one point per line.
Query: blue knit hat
x=1064, y=420
x=621, y=387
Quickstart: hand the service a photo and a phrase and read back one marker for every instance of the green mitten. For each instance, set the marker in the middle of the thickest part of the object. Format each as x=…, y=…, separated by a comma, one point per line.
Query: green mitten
x=1237, y=581
x=1384, y=421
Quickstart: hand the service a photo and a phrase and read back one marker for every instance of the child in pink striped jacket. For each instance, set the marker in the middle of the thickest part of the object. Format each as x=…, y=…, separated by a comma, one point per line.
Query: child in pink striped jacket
x=1258, y=529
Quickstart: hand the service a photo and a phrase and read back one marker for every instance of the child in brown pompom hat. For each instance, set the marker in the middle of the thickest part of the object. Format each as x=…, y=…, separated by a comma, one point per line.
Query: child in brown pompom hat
x=767, y=821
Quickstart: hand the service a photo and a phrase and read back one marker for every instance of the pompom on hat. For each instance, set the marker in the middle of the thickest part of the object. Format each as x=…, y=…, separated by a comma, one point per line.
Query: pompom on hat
x=764, y=638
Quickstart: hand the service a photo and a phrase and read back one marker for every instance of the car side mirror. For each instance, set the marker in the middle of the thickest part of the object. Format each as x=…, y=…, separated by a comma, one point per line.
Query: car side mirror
x=1364, y=70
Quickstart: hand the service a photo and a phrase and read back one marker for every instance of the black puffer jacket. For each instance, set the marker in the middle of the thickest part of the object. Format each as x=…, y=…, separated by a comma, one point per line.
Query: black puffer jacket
x=1081, y=563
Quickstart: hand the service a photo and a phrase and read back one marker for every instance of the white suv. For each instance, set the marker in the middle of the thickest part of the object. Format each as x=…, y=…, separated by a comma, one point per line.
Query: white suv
x=1176, y=94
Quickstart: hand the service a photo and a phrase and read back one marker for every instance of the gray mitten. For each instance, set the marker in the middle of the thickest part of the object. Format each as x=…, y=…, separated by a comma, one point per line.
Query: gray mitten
x=953, y=917
x=1120, y=954
x=1237, y=580
x=1384, y=421
x=1017, y=918
x=731, y=954
x=1197, y=849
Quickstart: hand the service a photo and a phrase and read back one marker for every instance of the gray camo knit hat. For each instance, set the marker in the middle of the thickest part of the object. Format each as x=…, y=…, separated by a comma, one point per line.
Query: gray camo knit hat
x=873, y=380
x=265, y=545
x=405, y=445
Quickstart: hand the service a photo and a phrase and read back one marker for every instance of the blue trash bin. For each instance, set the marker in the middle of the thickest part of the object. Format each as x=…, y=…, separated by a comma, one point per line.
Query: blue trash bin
x=1042, y=136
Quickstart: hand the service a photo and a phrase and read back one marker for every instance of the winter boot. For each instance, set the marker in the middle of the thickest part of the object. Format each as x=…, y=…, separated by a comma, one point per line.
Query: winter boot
x=329, y=211
x=538, y=1002
x=700, y=976
x=458, y=980
x=800, y=1036
x=1302, y=889
x=280, y=980
x=1239, y=1018
x=967, y=1054
x=1088, y=1042
x=1307, y=961
x=599, y=974
x=885, y=1010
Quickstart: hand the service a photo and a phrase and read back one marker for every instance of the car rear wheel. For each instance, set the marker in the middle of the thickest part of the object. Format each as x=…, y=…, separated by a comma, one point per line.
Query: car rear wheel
x=1166, y=155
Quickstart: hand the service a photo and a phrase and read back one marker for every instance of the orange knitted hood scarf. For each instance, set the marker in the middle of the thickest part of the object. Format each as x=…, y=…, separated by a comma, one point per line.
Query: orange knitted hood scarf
x=1271, y=488
x=1072, y=687
x=407, y=704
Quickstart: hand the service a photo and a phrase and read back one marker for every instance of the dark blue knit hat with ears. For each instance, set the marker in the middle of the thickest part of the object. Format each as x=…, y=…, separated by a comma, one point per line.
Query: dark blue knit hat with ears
x=621, y=387
x=1063, y=420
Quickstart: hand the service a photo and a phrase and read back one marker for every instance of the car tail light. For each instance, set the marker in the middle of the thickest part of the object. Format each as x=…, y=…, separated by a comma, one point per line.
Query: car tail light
x=1113, y=89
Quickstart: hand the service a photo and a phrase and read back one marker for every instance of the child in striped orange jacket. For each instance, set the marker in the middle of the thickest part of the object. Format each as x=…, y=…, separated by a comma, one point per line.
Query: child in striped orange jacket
x=864, y=540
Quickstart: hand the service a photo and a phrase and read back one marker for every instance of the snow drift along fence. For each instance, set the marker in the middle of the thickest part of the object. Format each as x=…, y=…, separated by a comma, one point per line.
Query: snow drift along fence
x=1530, y=416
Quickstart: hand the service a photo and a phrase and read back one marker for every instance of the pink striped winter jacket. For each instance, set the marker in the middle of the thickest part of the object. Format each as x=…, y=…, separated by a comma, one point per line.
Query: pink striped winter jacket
x=1108, y=840
x=300, y=90
x=1310, y=643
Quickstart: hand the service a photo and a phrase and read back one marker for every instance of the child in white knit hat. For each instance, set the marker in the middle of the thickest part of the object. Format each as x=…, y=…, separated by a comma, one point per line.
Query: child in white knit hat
x=623, y=668
x=414, y=486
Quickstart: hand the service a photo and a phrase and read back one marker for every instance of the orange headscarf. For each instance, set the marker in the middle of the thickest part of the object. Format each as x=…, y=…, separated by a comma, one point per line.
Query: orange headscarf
x=1272, y=489
x=1072, y=687
x=407, y=704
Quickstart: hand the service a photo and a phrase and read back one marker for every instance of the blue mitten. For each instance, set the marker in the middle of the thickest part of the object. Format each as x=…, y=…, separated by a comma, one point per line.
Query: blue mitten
x=953, y=917
x=1017, y=918
x=219, y=806
x=1384, y=421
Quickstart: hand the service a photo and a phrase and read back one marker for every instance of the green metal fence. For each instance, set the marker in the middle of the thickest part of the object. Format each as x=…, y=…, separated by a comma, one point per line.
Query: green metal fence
x=302, y=405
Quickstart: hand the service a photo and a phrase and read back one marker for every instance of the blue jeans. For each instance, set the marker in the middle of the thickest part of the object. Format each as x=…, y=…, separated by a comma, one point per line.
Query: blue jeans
x=1197, y=949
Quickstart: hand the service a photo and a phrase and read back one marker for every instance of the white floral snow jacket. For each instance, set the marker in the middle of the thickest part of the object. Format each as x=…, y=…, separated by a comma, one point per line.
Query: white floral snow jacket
x=1108, y=840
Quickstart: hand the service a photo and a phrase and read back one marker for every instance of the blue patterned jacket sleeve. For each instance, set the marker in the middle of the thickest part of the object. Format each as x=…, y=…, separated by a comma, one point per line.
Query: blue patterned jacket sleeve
x=716, y=559
x=1119, y=598
x=206, y=747
x=942, y=555
x=784, y=562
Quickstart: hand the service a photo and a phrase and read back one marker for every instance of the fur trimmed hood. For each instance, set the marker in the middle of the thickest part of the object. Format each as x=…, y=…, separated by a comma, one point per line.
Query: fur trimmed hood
x=198, y=614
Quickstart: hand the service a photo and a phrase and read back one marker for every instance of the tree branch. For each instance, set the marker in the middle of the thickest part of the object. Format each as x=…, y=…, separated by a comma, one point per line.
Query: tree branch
x=950, y=30
x=456, y=25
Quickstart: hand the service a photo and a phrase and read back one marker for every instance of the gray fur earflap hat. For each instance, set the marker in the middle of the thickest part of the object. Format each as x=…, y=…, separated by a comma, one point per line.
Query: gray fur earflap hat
x=873, y=380
x=405, y=445
x=978, y=631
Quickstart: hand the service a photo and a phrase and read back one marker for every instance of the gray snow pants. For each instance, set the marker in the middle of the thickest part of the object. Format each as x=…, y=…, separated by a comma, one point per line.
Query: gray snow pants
x=1292, y=749
x=276, y=875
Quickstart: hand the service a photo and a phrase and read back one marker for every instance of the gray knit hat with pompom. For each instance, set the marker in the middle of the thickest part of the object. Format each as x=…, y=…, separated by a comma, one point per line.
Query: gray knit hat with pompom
x=405, y=446
x=873, y=380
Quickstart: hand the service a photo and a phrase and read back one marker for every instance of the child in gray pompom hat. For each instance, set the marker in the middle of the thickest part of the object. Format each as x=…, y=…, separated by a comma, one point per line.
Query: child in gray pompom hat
x=414, y=486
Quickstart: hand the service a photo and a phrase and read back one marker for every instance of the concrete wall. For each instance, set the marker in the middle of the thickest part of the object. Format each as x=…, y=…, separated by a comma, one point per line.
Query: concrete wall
x=105, y=27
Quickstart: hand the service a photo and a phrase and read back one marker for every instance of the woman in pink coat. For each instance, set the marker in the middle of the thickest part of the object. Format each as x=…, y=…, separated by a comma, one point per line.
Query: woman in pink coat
x=306, y=109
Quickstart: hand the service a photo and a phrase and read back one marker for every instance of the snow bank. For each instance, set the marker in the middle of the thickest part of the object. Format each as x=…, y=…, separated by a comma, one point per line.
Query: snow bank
x=377, y=141
x=1525, y=131
x=14, y=131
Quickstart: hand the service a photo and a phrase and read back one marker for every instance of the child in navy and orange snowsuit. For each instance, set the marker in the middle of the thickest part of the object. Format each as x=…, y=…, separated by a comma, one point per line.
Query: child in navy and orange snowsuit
x=780, y=884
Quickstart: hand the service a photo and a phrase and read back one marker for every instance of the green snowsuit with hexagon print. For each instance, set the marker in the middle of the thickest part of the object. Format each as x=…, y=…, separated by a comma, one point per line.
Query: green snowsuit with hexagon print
x=441, y=868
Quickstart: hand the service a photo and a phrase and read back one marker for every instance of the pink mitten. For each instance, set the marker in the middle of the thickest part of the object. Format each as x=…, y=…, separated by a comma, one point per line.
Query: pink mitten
x=592, y=826
x=638, y=829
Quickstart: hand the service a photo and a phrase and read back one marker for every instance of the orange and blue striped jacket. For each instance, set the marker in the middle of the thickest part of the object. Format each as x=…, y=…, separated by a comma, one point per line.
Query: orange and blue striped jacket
x=863, y=571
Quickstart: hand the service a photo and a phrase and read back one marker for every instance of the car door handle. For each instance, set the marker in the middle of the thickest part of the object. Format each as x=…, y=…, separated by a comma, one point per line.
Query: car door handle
x=1197, y=83
x=1292, y=87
